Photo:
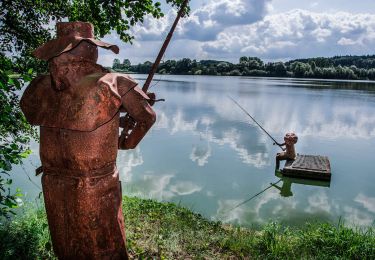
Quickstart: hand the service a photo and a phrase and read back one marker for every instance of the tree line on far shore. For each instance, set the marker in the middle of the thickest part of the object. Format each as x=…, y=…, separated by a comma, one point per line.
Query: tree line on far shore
x=338, y=67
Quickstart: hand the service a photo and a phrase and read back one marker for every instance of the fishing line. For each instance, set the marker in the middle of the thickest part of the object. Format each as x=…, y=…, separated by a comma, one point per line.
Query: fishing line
x=161, y=75
x=28, y=176
x=247, y=113
x=253, y=197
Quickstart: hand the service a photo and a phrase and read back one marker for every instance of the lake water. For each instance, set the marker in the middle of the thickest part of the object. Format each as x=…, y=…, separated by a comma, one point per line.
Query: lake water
x=205, y=154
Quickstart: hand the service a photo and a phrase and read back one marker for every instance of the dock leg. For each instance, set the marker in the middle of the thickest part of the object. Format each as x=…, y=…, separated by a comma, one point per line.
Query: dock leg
x=277, y=164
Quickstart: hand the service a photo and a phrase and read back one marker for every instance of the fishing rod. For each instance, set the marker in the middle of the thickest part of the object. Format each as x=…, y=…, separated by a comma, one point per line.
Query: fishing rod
x=247, y=113
x=155, y=66
x=164, y=47
x=256, y=195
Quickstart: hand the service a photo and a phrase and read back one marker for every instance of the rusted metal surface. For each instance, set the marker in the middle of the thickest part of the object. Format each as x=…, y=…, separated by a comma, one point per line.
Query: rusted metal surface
x=70, y=35
x=308, y=166
x=77, y=107
x=289, y=152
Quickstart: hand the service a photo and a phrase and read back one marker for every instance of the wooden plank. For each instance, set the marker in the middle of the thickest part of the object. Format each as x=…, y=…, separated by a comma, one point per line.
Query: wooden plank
x=308, y=166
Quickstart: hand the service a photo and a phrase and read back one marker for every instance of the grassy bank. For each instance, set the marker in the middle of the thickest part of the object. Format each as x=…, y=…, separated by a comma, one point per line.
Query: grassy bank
x=167, y=231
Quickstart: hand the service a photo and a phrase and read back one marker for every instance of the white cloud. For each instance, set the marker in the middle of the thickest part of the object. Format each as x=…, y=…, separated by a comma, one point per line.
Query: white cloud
x=357, y=217
x=314, y=4
x=179, y=124
x=318, y=202
x=201, y=154
x=298, y=33
x=350, y=121
x=126, y=161
x=258, y=212
x=156, y=186
x=185, y=188
x=162, y=187
x=232, y=138
x=367, y=202
x=176, y=123
x=346, y=41
x=230, y=29
x=206, y=22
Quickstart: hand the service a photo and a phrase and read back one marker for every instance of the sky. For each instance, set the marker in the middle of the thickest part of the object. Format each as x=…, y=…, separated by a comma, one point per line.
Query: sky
x=274, y=30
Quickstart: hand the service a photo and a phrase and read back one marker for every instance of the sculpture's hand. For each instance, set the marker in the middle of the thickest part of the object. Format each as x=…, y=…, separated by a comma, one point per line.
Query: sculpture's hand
x=152, y=97
x=140, y=119
x=127, y=122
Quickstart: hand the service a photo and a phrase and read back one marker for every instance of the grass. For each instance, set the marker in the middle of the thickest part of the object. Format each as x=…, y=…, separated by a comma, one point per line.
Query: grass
x=167, y=231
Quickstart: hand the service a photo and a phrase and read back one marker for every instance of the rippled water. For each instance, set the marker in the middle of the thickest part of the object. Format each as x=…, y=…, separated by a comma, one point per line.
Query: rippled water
x=205, y=154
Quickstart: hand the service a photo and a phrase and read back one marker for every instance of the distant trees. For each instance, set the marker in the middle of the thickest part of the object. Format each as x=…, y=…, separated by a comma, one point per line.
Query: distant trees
x=124, y=66
x=339, y=67
x=300, y=69
x=251, y=63
x=142, y=68
x=183, y=66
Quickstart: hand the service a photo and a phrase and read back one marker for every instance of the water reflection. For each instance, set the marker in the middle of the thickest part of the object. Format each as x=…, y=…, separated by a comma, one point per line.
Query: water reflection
x=204, y=153
x=200, y=154
x=126, y=161
x=211, y=145
x=367, y=202
x=240, y=137
x=286, y=187
x=162, y=187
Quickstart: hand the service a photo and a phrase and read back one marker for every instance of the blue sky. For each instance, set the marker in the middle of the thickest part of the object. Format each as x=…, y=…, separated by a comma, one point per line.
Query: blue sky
x=269, y=29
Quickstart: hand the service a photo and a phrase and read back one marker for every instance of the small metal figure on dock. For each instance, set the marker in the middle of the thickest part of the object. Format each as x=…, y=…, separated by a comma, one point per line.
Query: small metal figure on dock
x=289, y=152
x=300, y=166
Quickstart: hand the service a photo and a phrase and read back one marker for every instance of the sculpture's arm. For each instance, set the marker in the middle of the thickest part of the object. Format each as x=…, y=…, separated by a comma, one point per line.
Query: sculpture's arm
x=139, y=120
x=276, y=143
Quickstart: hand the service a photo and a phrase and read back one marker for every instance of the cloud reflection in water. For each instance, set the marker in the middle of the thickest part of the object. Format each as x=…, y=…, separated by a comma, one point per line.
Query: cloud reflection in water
x=215, y=128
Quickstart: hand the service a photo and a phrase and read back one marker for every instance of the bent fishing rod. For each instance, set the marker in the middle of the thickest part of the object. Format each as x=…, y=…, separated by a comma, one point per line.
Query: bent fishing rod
x=247, y=113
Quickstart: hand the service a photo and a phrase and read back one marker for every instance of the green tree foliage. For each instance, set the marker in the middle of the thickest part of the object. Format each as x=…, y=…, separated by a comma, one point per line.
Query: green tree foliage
x=116, y=64
x=144, y=67
x=301, y=69
x=15, y=132
x=126, y=64
x=277, y=69
x=324, y=68
x=183, y=66
x=27, y=24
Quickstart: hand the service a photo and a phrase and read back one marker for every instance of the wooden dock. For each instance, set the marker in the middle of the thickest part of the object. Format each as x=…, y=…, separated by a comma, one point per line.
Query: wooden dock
x=314, y=167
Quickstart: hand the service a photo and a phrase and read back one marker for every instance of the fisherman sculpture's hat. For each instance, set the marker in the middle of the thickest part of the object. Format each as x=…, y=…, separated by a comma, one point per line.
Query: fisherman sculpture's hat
x=69, y=35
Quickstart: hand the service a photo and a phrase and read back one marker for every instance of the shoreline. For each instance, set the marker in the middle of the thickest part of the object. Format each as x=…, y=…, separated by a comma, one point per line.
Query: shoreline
x=258, y=77
x=167, y=231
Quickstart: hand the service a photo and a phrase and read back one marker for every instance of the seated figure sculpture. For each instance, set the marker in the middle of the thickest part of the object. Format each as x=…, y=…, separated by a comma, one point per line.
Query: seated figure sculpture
x=289, y=152
x=77, y=107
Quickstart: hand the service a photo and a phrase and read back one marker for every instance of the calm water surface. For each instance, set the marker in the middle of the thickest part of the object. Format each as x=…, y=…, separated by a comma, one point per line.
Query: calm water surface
x=205, y=154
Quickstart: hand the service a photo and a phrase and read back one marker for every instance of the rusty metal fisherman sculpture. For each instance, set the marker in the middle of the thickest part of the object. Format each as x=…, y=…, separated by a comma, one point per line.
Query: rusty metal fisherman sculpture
x=77, y=106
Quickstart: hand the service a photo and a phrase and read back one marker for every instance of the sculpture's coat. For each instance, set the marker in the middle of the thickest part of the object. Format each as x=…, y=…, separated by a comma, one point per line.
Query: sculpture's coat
x=77, y=107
